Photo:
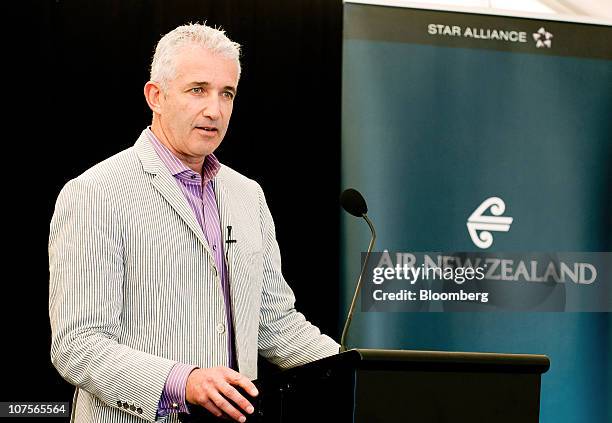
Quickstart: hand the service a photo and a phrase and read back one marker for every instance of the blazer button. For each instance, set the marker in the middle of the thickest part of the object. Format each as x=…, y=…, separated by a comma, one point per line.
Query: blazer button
x=126, y=405
x=119, y=404
x=132, y=407
x=220, y=328
x=139, y=410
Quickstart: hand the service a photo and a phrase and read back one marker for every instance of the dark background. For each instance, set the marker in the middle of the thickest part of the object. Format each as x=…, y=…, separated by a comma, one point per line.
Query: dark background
x=74, y=78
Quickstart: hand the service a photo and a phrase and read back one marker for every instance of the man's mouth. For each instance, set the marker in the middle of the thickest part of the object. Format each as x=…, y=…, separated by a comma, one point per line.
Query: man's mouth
x=210, y=129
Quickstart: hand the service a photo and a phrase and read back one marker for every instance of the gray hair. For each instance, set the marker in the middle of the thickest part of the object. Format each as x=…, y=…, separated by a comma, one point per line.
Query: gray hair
x=163, y=66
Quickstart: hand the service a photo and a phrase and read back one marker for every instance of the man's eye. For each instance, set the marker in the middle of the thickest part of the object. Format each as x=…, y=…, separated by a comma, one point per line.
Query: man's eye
x=197, y=90
x=228, y=94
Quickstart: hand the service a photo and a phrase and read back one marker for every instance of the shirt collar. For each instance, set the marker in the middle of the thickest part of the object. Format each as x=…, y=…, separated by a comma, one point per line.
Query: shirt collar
x=177, y=168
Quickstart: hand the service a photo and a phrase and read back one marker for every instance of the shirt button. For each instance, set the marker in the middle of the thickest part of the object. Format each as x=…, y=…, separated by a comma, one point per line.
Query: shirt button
x=215, y=247
x=175, y=405
x=193, y=176
x=220, y=328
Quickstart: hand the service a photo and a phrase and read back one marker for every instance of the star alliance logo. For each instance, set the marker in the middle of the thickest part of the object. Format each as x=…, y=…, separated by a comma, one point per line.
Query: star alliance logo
x=487, y=224
x=543, y=38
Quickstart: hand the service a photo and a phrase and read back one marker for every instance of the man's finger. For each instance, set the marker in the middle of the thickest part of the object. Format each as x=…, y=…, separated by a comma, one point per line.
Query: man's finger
x=230, y=392
x=210, y=406
x=227, y=407
x=236, y=378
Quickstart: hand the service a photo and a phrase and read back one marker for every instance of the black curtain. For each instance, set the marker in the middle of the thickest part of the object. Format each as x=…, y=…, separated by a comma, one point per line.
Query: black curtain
x=74, y=90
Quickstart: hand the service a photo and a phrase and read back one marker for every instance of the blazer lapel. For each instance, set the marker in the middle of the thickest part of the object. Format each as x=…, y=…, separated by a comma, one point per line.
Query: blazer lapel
x=225, y=219
x=238, y=288
x=165, y=183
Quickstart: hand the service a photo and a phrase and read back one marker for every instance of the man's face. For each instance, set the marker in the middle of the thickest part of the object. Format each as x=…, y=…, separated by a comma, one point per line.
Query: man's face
x=196, y=107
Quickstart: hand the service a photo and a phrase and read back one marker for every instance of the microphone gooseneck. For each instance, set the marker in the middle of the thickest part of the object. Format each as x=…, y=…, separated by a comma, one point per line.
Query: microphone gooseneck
x=354, y=203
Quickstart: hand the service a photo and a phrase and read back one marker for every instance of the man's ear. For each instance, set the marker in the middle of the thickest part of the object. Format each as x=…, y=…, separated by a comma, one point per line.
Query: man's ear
x=153, y=94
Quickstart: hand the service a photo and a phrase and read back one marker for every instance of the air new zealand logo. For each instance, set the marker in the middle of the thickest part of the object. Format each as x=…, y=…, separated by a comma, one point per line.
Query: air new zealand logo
x=486, y=224
x=543, y=38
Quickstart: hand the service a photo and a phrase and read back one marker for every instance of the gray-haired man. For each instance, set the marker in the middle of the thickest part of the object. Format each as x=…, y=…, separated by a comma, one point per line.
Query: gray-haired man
x=165, y=271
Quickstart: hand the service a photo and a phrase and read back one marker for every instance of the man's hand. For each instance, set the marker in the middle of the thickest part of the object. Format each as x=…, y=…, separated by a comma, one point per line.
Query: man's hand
x=211, y=388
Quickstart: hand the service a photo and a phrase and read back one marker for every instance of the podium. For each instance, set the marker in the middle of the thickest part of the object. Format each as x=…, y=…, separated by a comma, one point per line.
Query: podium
x=377, y=386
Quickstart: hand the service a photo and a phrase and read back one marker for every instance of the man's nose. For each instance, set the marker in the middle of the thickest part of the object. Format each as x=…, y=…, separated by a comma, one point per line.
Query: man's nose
x=212, y=110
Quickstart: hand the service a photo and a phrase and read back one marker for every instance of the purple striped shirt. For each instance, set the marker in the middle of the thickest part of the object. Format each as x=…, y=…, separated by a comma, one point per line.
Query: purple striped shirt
x=200, y=195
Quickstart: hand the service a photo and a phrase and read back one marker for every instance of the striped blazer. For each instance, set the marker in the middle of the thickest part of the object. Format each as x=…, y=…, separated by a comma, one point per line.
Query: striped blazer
x=134, y=287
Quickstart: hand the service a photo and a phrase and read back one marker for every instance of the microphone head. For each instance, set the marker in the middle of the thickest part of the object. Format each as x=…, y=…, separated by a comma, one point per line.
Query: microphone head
x=353, y=202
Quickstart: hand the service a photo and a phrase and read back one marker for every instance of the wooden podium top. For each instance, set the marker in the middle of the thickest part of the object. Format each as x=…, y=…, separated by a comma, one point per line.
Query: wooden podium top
x=382, y=359
x=538, y=363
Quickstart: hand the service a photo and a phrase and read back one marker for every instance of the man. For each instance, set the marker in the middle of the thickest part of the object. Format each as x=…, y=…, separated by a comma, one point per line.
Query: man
x=164, y=268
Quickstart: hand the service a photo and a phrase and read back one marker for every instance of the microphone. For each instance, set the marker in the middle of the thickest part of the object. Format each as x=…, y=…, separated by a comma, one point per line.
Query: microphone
x=354, y=203
x=229, y=239
x=228, y=242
